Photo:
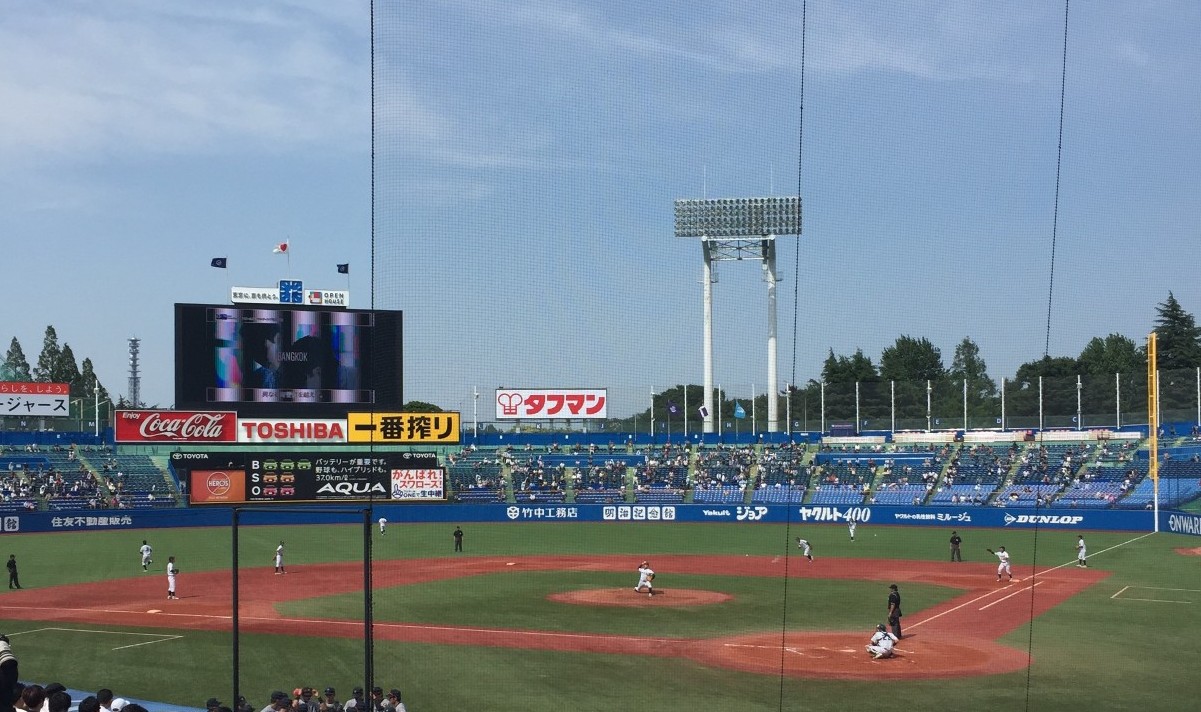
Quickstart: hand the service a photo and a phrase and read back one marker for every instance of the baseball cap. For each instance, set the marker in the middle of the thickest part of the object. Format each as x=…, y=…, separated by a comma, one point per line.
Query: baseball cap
x=278, y=695
x=357, y=691
x=307, y=691
x=329, y=690
x=394, y=693
x=117, y=704
x=377, y=690
x=213, y=702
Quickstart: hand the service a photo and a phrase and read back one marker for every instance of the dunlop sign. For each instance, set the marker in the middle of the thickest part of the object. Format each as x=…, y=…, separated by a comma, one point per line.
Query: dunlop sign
x=403, y=428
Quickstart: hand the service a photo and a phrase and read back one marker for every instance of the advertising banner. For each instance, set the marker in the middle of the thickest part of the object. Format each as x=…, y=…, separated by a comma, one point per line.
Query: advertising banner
x=403, y=428
x=176, y=426
x=512, y=403
x=36, y=400
x=293, y=431
x=306, y=477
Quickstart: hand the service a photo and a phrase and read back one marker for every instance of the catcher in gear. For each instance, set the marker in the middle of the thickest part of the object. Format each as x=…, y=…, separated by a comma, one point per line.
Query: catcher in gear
x=882, y=642
x=646, y=575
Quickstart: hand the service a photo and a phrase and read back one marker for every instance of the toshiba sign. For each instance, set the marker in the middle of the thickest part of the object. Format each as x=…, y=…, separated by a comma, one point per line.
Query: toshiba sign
x=175, y=426
x=291, y=430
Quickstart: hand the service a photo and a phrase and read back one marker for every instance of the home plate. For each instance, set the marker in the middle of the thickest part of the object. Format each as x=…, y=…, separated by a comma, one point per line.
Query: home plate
x=154, y=610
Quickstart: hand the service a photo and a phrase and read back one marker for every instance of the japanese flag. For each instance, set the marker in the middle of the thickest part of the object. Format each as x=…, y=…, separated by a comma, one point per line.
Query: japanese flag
x=280, y=248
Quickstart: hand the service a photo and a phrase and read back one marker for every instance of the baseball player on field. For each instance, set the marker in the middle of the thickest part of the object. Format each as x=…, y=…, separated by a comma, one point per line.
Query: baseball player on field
x=146, y=551
x=882, y=643
x=851, y=528
x=279, y=558
x=646, y=575
x=1003, y=562
x=383, y=526
x=806, y=549
x=172, y=572
x=1081, y=553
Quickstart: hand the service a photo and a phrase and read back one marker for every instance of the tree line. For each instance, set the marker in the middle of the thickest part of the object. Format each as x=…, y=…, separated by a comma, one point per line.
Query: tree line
x=57, y=364
x=913, y=369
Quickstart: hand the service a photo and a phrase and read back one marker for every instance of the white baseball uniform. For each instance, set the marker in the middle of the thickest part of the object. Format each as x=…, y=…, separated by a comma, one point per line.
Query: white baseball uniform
x=851, y=527
x=644, y=578
x=279, y=558
x=1081, y=552
x=806, y=550
x=1003, y=565
x=171, y=572
x=146, y=551
x=383, y=525
x=882, y=643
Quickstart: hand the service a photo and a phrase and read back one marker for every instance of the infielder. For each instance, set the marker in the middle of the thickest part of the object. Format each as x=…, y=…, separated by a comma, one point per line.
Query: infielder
x=146, y=551
x=383, y=526
x=279, y=558
x=806, y=549
x=1003, y=565
x=646, y=576
x=851, y=528
x=1081, y=553
x=172, y=571
x=882, y=643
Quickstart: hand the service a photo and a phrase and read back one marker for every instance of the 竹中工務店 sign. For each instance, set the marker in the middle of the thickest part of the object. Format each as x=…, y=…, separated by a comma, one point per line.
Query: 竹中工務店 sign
x=403, y=428
x=240, y=478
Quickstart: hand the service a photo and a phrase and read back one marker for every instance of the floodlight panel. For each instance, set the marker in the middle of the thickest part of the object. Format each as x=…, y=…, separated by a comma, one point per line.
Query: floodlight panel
x=738, y=217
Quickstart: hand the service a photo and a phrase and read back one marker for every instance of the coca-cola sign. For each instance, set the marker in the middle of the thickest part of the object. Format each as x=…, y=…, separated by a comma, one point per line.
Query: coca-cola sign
x=176, y=426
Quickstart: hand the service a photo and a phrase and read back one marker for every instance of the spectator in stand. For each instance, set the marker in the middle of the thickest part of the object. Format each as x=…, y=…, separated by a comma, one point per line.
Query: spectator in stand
x=279, y=702
x=305, y=700
x=32, y=698
x=59, y=701
x=329, y=702
x=356, y=701
x=393, y=703
x=89, y=704
x=105, y=697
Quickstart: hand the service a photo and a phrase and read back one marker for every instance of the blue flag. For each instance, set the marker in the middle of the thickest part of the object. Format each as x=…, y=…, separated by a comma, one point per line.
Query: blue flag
x=344, y=268
x=218, y=262
x=673, y=409
x=738, y=411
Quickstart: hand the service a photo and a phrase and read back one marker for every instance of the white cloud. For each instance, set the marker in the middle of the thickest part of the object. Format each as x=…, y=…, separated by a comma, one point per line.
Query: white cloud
x=84, y=81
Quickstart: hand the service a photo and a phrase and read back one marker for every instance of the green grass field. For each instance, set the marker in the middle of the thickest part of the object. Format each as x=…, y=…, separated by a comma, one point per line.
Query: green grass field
x=1095, y=651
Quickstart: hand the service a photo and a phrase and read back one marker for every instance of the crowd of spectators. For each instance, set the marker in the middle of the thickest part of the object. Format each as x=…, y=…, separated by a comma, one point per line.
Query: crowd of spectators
x=16, y=696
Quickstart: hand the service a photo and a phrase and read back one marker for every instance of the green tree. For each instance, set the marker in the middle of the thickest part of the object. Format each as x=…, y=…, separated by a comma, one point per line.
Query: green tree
x=911, y=359
x=983, y=402
x=16, y=366
x=1058, y=375
x=48, y=360
x=67, y=371
x=1178, y=338
x=420, y=407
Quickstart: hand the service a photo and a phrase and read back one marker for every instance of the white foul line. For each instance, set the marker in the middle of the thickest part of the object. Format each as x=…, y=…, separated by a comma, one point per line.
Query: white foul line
x=1021, y=589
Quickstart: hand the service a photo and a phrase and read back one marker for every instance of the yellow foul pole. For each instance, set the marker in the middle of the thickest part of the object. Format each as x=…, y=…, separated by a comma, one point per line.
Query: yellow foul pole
x=1153, y=421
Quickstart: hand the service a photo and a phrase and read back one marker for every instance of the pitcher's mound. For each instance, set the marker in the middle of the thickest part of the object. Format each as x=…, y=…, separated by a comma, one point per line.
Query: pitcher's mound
x=1194, y=551
x=628, y=597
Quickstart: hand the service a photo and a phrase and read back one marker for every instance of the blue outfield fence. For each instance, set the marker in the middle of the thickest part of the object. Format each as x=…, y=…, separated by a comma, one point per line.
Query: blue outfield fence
x=958, y=517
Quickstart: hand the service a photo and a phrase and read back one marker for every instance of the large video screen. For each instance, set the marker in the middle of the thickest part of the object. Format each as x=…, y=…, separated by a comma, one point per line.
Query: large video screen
x=287, y=361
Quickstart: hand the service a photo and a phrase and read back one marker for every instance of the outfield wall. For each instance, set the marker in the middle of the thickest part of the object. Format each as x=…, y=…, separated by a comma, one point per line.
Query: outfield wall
x=947, y=517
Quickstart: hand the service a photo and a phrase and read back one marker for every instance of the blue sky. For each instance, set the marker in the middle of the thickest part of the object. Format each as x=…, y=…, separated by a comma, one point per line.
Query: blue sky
x=528, y=154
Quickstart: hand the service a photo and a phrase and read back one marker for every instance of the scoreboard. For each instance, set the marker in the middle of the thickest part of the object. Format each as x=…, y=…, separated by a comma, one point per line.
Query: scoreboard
x=308, y=477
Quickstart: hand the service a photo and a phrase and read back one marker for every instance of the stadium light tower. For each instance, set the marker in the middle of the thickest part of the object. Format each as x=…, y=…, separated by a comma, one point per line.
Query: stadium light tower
x=732, y=229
